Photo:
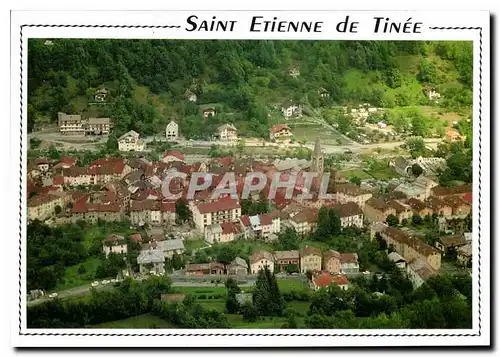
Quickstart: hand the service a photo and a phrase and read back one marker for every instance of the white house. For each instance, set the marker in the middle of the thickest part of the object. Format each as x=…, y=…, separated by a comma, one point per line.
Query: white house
x=216, y=212
x=114, y=244
x=151, y=260
x=291, y=110
x=227, y=132
x=261, y=259
x=130, y=142
x=349, y=262
x=172, y=131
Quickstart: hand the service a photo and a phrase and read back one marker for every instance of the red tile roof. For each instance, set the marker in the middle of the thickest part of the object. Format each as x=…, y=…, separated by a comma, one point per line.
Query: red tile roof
x=307, y=250
x=108, y=166
x=225, y=204
x=468, y=197
x=278, y=127
x=349, y=258
x=325, y=279
x=42, y=161
x=136, y=237
x=168, y=206
x=58, y=180
x=66, y=161
x=146, y=205
x=229, y=227
x=177, y=154
x=245, y=220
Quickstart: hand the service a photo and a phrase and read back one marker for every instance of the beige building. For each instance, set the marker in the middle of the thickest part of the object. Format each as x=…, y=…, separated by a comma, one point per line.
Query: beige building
x=114, y=244
x=305, y=221
x=350, y=215
x=130, y=141
x=332, y=262
x=216, y=212
x=43, y=206
x=280, y=132
x=352, y=193
x=286, y=258
x=403, y=211
x=97, y=126
x=147, y=211
x=70, y=124
x=310, y=259
x=411, y=248
x=151, y=260
x=377, y=210
x=172, y=131
x=227, y=132
x=261, y=259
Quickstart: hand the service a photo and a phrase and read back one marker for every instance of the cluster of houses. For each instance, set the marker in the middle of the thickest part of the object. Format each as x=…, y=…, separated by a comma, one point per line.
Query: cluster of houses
x=117, y=189
x=362, y=112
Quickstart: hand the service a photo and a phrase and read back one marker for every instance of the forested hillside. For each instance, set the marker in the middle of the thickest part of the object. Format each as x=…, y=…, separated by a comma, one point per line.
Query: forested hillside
x=246, y=81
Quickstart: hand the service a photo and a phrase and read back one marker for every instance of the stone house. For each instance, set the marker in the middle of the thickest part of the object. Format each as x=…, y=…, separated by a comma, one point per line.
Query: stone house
x=261, y=259
x=310, y=259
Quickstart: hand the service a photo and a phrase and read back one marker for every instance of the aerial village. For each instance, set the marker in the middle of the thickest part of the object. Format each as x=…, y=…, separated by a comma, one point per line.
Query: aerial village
x=117, y=189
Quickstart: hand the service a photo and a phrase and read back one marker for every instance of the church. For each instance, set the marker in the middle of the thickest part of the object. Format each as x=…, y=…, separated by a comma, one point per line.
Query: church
x=317, y=158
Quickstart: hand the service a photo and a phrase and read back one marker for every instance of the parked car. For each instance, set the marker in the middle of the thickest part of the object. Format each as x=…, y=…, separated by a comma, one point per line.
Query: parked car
x=53, y=295
x=94, y=284
x=104, y=282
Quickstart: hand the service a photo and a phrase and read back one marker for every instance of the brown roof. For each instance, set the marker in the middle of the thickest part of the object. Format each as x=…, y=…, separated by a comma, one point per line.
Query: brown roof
x=219, y=205
x=74, y=171
x=146, y=205
x=114, y=239
x=452, y=241
x=416, y=204
x=348, y=209
x=266, y=219
x=397, y=206
x=308, y=250
x=406, y=239
x=255, y=257
x=41, y=199
x=349, y=258
x=229, y=227
x=278, y=127
x=455, y=202
x=378, y=203
x=447, y=191
x=286, y=254
x=309, y=215
x=350, y=189
x=435, y=203
x=332, y=254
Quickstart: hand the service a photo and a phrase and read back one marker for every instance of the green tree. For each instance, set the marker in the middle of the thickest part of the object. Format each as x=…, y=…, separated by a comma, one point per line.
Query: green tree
x=267, y=297
x=416, y=169
x=392, y=220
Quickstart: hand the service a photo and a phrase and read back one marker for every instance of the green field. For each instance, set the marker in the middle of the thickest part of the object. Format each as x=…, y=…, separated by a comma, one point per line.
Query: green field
x=291, y=284
x=141, y=321
x=209, y=290
x=97, y=233
x=301, y=307
x=73, y=279
x=236, y=321
x=356, y=173
x=194, y=244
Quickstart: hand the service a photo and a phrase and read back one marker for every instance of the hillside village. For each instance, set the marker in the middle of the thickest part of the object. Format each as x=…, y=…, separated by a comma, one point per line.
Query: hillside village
x=398, y=210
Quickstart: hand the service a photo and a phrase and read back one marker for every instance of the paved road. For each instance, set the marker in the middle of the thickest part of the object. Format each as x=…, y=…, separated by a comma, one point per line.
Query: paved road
x=177, y=281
